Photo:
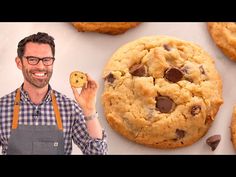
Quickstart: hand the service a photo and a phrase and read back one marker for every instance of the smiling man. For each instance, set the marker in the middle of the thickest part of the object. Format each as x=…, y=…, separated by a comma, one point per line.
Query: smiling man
x=35, y=119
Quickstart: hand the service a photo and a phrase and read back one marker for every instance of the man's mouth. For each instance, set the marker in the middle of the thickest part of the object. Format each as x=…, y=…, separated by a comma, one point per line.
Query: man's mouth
x=40, y=74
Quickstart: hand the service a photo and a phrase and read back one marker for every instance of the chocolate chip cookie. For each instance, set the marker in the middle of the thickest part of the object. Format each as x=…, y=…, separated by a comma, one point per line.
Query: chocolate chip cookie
x=161, y=91
x=112, y=28
x=233, y=128
x=78, y=79
x=224, y=35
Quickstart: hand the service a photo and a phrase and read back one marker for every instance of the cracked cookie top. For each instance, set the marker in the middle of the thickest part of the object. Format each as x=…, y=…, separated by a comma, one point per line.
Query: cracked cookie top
x=161, y=91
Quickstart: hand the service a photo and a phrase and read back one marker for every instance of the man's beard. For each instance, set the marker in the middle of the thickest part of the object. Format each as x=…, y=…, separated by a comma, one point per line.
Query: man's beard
x=38, y=83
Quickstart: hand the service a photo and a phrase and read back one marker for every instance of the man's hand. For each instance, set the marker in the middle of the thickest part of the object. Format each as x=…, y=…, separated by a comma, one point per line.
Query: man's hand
x=87, y=97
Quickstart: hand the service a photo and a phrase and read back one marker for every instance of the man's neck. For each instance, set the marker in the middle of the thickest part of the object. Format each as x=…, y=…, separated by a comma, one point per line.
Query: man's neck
x=35, y=94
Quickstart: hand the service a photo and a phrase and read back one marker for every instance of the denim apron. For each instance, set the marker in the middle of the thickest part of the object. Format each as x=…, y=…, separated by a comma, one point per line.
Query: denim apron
x=36, y=139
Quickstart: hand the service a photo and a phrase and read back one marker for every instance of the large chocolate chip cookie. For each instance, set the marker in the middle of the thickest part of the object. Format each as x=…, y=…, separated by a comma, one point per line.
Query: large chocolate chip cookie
x=161, y=91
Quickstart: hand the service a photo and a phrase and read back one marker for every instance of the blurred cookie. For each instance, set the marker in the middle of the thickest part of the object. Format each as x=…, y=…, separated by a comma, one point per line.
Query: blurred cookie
x=233, y=128
x=78, y=79
x=224, y=35
x=112, y=28
x=161, y=91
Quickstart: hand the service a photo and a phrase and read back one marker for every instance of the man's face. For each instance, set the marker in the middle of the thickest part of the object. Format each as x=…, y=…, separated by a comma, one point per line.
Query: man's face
x=36, y=75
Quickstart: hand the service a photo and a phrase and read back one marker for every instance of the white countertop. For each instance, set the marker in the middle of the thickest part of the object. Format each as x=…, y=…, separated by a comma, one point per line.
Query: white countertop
x=89, y=52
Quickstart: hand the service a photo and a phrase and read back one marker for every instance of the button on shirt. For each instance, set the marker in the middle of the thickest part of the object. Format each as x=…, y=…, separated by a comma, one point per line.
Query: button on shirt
x=74, y=126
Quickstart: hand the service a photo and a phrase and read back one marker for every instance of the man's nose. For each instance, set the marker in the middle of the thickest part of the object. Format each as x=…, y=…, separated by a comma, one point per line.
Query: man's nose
x=40, y=64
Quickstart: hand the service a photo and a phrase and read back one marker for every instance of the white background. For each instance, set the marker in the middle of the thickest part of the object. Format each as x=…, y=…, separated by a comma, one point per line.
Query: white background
x=89, y=52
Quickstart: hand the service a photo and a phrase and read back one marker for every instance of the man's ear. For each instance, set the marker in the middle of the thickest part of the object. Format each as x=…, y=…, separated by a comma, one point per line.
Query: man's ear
x=18, y=63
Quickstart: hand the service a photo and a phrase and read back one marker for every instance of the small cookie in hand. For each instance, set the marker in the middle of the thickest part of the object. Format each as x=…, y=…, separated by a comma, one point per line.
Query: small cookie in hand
x=78, y=79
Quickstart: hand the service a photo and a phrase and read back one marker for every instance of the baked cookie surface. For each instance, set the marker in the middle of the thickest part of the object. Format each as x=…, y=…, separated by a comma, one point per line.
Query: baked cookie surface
x=233, y=128
x=224, y=35
x=112, y=28
x=161, y=91
x=78, y=79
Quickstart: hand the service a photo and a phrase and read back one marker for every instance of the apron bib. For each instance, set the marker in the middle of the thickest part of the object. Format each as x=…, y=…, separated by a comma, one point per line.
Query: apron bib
x=36, y=139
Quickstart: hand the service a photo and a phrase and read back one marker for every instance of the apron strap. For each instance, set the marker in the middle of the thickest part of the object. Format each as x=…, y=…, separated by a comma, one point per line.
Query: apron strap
x=16, y=110
x=56, y=111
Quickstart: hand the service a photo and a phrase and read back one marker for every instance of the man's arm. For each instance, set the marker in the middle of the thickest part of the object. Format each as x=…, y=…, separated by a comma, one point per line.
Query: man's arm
x=87, y=131
x=87, y=101
x=81, y=137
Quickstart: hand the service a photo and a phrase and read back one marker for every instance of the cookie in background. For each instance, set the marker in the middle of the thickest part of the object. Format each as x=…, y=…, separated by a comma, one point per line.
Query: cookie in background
x=112, y=28
x=223, y=34
x=233, y=128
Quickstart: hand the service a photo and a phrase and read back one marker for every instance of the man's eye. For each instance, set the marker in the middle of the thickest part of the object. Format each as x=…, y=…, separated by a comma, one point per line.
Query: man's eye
x=47, y=59
x=32, y=59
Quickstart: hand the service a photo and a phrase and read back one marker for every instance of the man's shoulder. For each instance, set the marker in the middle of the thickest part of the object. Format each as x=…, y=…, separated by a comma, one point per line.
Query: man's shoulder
x=8, y=97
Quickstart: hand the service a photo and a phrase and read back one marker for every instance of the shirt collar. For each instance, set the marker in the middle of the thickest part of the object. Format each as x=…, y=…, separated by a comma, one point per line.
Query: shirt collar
x=25, y=96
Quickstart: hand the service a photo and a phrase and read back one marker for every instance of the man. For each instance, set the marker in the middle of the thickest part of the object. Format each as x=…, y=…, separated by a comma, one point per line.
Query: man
x=35, y=119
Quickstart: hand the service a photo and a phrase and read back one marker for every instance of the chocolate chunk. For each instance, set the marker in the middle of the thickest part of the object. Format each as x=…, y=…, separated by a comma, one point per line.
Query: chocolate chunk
x=195, y=110
x=213, y=141
x=154, y=81
x=76, y=81
x=189, y=79
x=208, y=119
x=173, y=75
x=180, y=133
x=202, y=70
x=75, y=74
x=164, y=104
x=167, y=47
x=110, y=78
x=138, y=70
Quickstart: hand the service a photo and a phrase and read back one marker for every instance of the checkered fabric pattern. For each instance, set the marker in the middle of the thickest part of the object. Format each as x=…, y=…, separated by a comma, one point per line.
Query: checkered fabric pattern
x=74, y=126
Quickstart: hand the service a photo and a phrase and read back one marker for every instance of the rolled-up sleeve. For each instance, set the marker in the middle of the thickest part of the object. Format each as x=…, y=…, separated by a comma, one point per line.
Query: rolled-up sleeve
x=80, y=136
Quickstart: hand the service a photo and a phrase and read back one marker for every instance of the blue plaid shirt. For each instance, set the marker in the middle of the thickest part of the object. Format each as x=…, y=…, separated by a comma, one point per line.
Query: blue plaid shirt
x=74, y=126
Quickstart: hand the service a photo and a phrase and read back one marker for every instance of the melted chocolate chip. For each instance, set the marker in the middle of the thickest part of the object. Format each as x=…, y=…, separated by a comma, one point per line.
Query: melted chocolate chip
x=167, y=47
x=189, y=79
x=202, y=70
x=138, y=70
x=208, y=120
x=173, y=75
x=213, y=141
x=75, y=74
x=110, y=78
x=76, y=81
x=179, y=133
x=195, y=110
x=164, y=104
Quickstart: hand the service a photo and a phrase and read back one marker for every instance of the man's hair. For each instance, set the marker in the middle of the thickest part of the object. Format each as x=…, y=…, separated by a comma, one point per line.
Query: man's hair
x=41, y=38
